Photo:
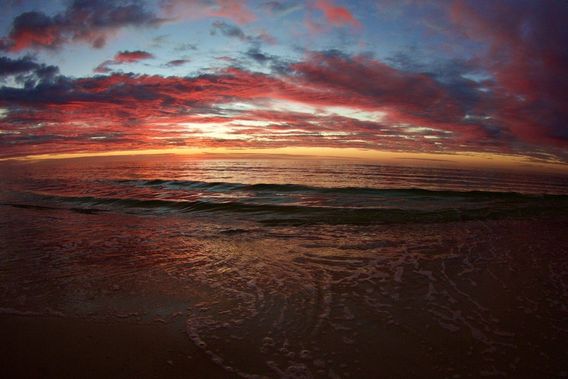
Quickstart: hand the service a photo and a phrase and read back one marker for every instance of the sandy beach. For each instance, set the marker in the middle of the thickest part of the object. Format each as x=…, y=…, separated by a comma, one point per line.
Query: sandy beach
x=61, y=347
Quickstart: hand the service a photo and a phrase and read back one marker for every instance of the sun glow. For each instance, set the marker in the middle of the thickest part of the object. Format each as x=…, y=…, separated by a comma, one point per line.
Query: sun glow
x=468, y=159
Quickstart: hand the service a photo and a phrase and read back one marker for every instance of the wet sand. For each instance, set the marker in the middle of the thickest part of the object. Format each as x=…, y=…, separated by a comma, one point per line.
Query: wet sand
x=489, y=305
x=57, y=347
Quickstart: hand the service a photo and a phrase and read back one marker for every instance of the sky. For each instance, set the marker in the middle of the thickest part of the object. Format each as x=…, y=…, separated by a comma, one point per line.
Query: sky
x=456, y=79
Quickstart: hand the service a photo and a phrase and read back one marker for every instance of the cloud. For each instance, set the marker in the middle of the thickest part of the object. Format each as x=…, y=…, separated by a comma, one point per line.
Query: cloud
x=527, y=58
x=371, y=83
x=503, y=91
x=104, y=67
x=26, y=70
x=235, y=10
x=329, y=98
x=132, y=56
x=332, y=16
x=258, y=56
x=159, y=41
x=336, y=15
x=83, y=21
x=95, y=21
x=185, y=47
x=177, y=62
x=234, y=31
x=123, y=57
x=281, y=9
x=277, y=65
x=228, y=30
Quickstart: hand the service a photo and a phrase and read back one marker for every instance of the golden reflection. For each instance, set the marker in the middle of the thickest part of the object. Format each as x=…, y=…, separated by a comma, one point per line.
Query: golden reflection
x=458, y=159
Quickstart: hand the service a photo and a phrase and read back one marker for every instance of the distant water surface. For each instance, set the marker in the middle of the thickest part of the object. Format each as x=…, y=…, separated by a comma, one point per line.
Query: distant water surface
x=300, y=268
x=284, y=190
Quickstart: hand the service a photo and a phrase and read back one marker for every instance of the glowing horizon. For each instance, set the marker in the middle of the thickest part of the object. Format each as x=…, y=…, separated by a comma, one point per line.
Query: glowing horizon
x=466, y=160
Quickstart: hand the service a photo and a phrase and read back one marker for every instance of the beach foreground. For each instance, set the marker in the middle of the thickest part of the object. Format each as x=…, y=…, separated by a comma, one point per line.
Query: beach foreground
x=398, y=284
x=63, y=347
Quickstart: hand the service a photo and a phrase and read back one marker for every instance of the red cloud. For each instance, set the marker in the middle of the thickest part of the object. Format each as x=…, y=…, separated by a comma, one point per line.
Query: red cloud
x=132, y=56
x=122, y=57
x=126, y=111
x=24, y=36
x=336, y=15
x=129, y=112
x=527, y=57
x=235, y=10
x=82, y=21
x=365, y=83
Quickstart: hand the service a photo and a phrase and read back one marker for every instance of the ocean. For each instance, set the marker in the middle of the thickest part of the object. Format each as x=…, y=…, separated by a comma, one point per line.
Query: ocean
x=299, y=268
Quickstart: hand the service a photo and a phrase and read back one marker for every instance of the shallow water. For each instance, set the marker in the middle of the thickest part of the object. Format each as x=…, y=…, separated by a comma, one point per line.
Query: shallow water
x=300, y=269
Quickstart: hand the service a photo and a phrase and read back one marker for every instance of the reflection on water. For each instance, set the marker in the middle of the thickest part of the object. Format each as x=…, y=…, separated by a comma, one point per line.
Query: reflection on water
x=439, y=297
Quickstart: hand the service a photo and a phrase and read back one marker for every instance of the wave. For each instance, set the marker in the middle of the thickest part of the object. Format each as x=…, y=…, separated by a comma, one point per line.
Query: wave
x=279, y=214
x=284, y=188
